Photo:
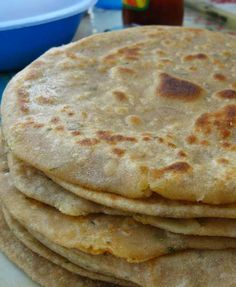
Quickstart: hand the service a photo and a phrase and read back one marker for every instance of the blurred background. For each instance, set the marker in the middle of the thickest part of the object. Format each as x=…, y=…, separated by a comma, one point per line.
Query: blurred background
x=29, y=28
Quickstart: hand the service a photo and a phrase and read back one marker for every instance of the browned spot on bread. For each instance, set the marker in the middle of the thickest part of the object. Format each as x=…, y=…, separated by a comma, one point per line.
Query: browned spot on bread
x=161, y=53
x=23, y=99
x=38, y=125
x=71, y=55
x=88, y=142
x=218, y=63
x=59, y=128
x=178, y=89
x=108, y=137
x=227, y=94
x=110, y=59
x=229, y=146
x=147, y=138
x=204, y=142
x=222, y=120
x=55, y=120
x=24, y=107
x=71, y=114
x=199, y=56
x=133, y=120
x=45, y=100
x=33, y=74
x=177, y=167
x=171, y=145
x=120, y=96
x=191, y=139
x=182, y=154
x=222, y=160
x=75, y=133
x=161, y=140
x=124, y=70
x=219, y=77
x=129, y=51
x=118, y=151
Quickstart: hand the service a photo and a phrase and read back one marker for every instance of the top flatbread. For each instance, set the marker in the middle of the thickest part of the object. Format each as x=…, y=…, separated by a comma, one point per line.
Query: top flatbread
x=132, y=112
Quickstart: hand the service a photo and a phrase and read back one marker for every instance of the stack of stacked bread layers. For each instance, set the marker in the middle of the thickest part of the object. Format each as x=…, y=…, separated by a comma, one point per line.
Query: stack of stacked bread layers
x=122, y=161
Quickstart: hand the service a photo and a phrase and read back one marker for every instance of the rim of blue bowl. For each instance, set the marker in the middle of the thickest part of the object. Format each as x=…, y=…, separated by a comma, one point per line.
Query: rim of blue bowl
x=48, y=17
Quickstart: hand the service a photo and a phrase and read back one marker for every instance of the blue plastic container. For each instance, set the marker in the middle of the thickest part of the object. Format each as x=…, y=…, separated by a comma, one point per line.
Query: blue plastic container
x=109, y=4
x=29, y=28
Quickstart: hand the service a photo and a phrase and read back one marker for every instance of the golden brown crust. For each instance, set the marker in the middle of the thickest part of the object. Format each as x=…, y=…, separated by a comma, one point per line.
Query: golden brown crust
x=110, y=89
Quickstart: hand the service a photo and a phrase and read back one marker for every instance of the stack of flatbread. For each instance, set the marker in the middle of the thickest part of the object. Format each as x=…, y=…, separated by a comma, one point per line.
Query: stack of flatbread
x=121, y=151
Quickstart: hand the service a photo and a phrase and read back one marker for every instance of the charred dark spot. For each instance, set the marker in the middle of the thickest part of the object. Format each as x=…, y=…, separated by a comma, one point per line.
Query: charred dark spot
x=199, y=56
x=178, y=89
x=182, y=154
x=120, y=96
x=222, y=120
x=219, y=77
x=227, y=94
x=177, y=167
x=147, y=138
x=161, y=140
x=203, y=123
x=118, y=151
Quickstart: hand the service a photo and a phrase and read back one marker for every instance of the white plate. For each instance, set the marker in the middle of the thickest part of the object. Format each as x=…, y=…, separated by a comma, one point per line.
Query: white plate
x=12, y=276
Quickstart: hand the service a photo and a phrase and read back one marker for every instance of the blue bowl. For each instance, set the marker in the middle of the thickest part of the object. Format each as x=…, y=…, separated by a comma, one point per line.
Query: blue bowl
x=109, y=4
x=30, y=33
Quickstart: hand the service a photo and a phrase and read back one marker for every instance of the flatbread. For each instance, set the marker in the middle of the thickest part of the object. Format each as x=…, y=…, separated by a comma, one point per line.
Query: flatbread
x=192, y=268
x=33, y=183
x=42, y=271
x=189, y=268
x=155, y=205
x=34, y=245
x=193, y=226
x=134, y=112
x=101, y=234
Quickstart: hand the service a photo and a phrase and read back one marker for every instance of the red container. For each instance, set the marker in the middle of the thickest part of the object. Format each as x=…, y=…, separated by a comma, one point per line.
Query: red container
x=153, y=12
